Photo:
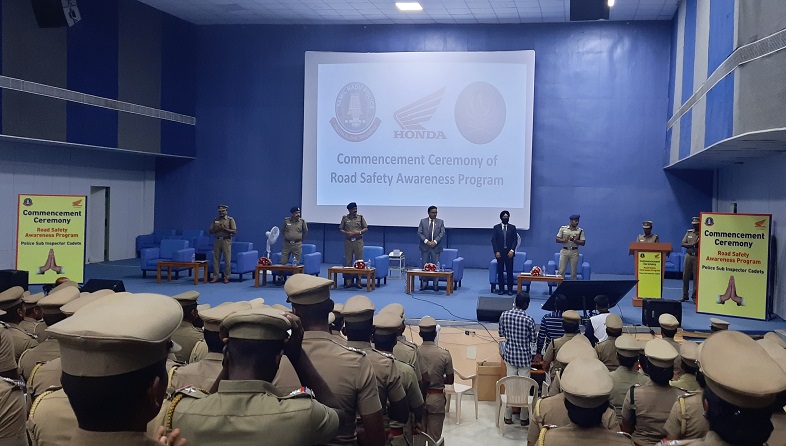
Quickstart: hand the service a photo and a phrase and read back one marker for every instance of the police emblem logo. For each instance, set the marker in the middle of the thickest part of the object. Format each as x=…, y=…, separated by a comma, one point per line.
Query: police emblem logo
x=480, y=113
x=355, y=110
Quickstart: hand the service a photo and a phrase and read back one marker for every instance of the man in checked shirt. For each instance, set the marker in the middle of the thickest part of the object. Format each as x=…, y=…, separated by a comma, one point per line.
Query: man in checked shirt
x=518, y=329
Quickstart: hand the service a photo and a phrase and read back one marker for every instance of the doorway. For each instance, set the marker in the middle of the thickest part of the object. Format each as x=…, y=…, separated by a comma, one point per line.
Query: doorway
x=98, y=225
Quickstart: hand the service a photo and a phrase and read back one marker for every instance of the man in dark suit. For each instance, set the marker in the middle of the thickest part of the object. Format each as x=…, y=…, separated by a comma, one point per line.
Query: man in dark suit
x=431, y=231
x=504, y=240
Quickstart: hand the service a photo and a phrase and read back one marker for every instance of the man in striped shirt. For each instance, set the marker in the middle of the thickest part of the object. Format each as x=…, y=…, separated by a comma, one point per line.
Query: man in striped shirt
x=518, y=329
x=551, y=326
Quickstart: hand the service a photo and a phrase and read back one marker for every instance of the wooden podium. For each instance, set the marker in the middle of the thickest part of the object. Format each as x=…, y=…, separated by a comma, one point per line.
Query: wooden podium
x=650, y=266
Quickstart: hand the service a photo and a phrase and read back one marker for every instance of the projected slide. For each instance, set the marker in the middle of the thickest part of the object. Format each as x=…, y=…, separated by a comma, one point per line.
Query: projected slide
x=398, y=132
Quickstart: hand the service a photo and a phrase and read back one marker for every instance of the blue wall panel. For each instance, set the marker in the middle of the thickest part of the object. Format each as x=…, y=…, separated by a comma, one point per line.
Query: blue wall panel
x=721, y=33
x=601, y=102
x=92, y=68
x=689, y=51
x=685, y=134
x=719, y=116
x=673, y=64
x=178, y=84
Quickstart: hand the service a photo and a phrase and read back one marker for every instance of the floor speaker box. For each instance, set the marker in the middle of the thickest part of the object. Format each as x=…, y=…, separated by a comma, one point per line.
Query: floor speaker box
x=103, y=284
x=490, y=308
x=11, y=278
x=651, y=310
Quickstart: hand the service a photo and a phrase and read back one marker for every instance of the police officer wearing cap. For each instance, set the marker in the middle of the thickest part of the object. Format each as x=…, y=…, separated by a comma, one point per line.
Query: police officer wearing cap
x=11, y=302
x=294, y=230
x=690, y=241
x=648, y=236
x=686, y=419
x=8, y=365
x=117, y=346
x=358, y=315
x=625, y=375
x=186, y=334
x=50, y=348
x=223, y=229
x=246, y=409
x=607, y=350
x=353, y=226
x=586, y=387
x=578, y=347
x=718, y=324
x=407, y=351
x=203, y=373
x=33, y=321
x=439, y=365
x=570, y=324
x=668, y=330
x=346, y=370
x=689, y=355
x=13, y=403
x=646, y=407
x=386, y=328
x=570, y=237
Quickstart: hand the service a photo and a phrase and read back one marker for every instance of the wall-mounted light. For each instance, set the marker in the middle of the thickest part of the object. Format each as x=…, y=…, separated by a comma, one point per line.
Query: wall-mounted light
x=610, y=3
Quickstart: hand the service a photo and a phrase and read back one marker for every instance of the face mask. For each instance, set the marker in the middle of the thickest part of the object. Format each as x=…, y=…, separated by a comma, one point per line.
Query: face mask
x=505, y=220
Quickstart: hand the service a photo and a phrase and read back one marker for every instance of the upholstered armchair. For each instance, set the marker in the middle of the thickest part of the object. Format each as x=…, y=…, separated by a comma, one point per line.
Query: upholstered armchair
x=170, y=249
x=244, y=259
x=379, y=260
x=520, y=264
x=583, y=273
x=450, y=260
x=153, y=239
x=310, y=258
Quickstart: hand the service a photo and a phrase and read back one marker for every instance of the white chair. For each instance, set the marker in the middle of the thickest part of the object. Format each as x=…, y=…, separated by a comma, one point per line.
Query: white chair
x=520, y=392
x=459, y=390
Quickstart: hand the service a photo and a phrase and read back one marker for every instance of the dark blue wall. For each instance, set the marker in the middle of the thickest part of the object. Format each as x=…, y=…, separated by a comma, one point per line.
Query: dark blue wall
x=601, y=104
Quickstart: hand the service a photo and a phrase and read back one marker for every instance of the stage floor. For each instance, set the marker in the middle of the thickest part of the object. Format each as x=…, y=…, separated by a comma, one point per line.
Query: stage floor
x=459, y=306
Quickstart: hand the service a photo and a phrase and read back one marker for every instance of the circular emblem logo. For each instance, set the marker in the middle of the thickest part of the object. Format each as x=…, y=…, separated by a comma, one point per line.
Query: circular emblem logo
x=709, y=221
x=27, y=201
x=480, y=113
x=355, y=110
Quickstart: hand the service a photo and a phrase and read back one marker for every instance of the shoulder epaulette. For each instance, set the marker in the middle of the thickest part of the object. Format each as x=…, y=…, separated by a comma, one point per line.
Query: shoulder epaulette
x=171, y=373
x=41, y=397
x=17, y=383
x=303, y=392
x=34, y=336
x=183, y=392
x=33, y=372
x=542, y=435
x=346, y=347
x=385, y=354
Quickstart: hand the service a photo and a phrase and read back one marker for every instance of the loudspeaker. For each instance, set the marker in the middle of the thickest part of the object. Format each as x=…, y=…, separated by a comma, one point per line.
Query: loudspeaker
x=11, y=278
x=589, y=10
x=651, y=309
x=103, y=284
x=491, y=308
x=56, y=13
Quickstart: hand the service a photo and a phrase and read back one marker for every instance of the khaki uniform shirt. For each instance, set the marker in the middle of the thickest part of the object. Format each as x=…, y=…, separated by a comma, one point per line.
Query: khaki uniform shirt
x=294, y=230
x=410, y=383
x=43, y=352
x=686, y=419
x=7, y=359
x=687, y=381
x=36, y=327
x=678, y=359
x=44, y=377
x=200, y=374
x=89, y=438
x=690, y=238
x=437, y=362
x=199, y=352
x=408, y=352
x=348, y=373
x=652, y=238
x=186, y=336
x=388, y=378
x=22, y=339
x=551, y=411
x=624, y=378
x=13, y=411
x=250, y=412
x=219, y=229
x=353, y=224
x=551, y=353
x=565, y=232
x=572, y=435
x=652, y=404
x=607, y=353
x=52, y=421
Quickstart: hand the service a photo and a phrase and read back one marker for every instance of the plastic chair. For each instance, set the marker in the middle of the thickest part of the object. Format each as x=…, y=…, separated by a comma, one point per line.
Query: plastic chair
x=520, y=392
x=459, y=390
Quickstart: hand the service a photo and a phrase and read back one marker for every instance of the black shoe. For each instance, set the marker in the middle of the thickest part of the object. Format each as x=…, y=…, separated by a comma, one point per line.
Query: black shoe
x=684, y=299
x=347, y=285
x=358, y=285
x=422, y=286
x=501, y=292
x=436, y=287
x=511, y=293
x=508, y=421
x=525, y=422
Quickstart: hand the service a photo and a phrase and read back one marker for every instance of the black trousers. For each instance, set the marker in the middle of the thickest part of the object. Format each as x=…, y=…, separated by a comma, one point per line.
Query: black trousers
x=505, y=263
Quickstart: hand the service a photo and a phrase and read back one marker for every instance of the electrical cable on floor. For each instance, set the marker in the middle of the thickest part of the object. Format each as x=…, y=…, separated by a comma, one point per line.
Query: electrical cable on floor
x=454, y=315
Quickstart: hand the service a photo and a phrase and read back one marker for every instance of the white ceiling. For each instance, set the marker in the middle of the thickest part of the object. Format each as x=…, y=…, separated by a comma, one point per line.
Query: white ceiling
x=345, y=12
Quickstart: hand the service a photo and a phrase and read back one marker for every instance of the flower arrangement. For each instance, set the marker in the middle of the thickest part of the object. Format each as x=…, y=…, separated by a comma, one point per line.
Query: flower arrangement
x=359, y=264
x=429, y=267
x=264, y=261
x=536, y=271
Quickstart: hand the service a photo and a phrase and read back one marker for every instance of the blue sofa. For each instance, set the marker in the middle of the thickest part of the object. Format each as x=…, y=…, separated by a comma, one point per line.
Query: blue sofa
x=583, y=273
x=310, y=258
x=244, y=259
x=520, y=264
x=170, y=249
x=379, y=260
x=153, y=239
x=450, y=260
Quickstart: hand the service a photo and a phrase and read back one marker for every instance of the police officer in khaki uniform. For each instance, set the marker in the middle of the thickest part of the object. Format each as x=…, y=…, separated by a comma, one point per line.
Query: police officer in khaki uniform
x=578, y=347
x=570, y=237
x=586, y=387
x=223, y=228
x=336, y=322
x=689, y=355
x=117, y=346
x=439, y=365
x=646, y=407
x=346, y=370
x=386, y=328
x=407, y=351
x=607, y=350
x=358, y=315
x=11, y=303
x=50, y=348
x=718, y=324
x=186, y=334
x=8, y=366
x=668, y=330
x=247, y=409
x=295, y=230
x=352, y=225
x=51, y=421
x=689, y=271
x=33, y=322
x=203, y=374
x=13, y=404
x=626, y=375
x=648, y=236
x=570, y=324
